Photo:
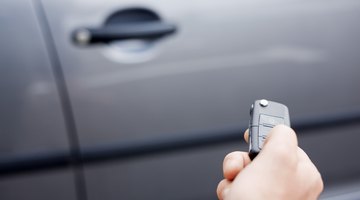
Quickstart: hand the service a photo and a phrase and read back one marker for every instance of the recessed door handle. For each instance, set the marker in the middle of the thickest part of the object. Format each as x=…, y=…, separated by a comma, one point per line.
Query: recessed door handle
x=107, y=34
x=134, y=23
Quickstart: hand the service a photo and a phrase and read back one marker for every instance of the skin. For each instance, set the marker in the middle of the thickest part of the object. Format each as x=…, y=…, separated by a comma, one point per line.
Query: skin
x=280, y=171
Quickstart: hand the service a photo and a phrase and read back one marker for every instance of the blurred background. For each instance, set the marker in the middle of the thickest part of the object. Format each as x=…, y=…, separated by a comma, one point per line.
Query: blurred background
x=135, y=99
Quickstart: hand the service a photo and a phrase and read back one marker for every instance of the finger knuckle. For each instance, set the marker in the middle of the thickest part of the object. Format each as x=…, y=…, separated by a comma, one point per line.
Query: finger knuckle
x=316, y=181
x=319, y=183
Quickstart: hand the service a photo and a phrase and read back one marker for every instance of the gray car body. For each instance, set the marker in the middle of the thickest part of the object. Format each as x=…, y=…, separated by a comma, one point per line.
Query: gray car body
x=226, y=54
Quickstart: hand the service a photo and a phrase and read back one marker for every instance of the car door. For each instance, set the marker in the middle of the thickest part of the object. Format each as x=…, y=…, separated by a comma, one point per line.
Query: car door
x=223, y=55
x=32, y=121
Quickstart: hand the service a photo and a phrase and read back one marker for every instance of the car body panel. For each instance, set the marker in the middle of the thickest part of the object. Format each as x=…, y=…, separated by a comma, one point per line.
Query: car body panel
x=225, y=55
x=32, y=121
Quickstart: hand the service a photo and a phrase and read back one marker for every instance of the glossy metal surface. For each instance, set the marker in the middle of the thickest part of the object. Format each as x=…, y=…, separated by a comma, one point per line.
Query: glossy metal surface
x=31, y=118
x=57, y=185
x=206, y=77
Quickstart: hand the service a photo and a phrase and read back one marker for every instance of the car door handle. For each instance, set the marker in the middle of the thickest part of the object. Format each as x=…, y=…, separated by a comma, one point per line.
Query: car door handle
x=134, y=23
x=152, y=30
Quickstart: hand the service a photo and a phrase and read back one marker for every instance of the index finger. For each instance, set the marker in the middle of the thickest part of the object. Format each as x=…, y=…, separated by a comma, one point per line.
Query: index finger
x=246, y=136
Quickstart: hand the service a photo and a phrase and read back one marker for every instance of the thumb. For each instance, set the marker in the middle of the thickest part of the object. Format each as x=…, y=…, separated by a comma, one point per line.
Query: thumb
x=280, y=146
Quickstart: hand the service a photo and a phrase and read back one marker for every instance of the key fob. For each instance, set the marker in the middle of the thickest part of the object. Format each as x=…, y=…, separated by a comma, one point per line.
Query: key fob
x=264, y=115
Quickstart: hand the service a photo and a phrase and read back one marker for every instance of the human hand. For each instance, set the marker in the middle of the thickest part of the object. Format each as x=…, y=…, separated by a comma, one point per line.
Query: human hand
x=280, y=171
